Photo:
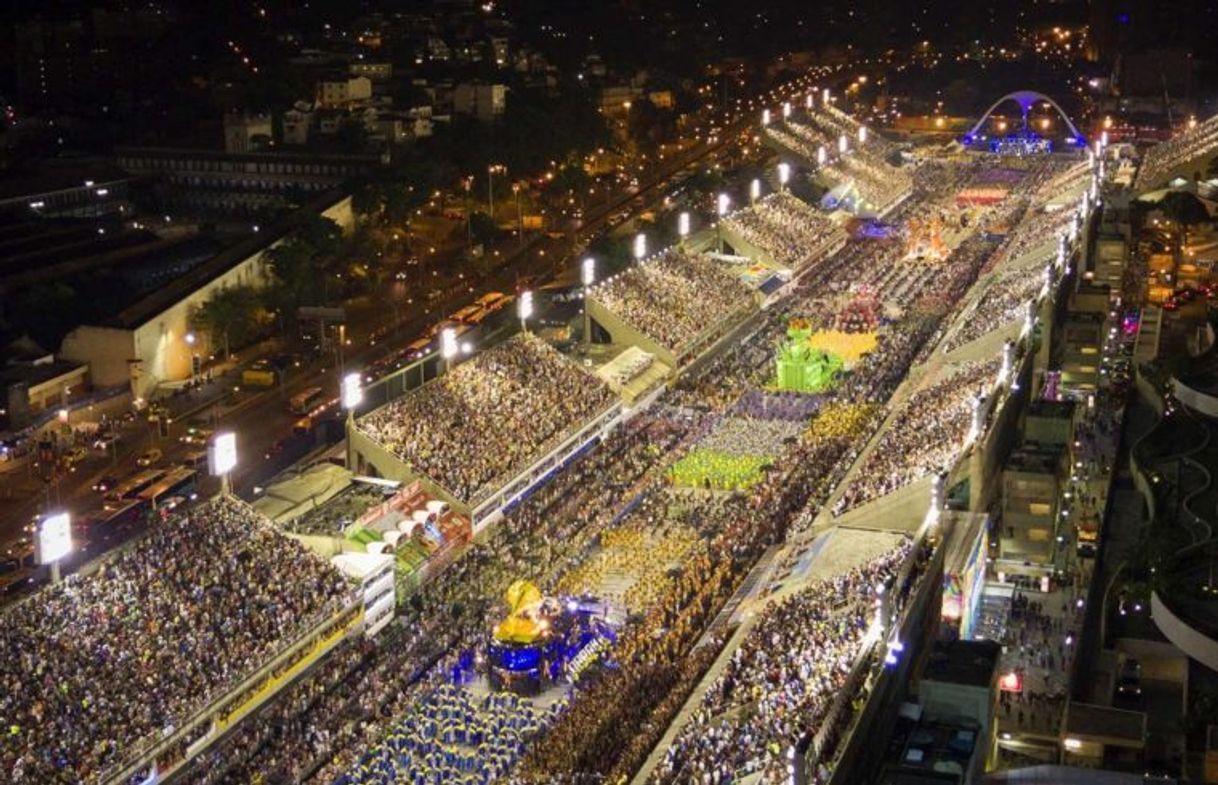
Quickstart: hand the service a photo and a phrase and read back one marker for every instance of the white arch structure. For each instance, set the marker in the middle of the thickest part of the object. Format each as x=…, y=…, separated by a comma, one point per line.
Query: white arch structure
x=1026, y=99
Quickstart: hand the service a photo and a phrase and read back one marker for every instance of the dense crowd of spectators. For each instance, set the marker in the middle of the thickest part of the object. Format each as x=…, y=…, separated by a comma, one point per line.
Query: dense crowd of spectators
x=786, y=228
x=1199, y=143
x=782, y=680
x=674, y=297
x=924, y=436
x=1004, y=301
x=93, y=666
x=474, y=428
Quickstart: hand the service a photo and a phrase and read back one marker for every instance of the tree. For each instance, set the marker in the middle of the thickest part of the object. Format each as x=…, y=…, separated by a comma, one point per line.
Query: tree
x=231, y=314
x=483, y=227
x=1185, y=210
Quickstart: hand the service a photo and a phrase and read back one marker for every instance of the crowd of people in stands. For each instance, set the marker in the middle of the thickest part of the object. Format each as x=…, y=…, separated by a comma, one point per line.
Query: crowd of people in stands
x=782, y=680
x=474, y=428
x=92, y=667
x=786, y=228
x=1004, y=302
x=1199, y=143
x=674, y=297
x=924, y=436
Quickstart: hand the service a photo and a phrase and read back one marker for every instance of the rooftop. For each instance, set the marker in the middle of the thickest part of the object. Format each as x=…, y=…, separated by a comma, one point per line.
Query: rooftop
x=1042, y=407
x=971, y=663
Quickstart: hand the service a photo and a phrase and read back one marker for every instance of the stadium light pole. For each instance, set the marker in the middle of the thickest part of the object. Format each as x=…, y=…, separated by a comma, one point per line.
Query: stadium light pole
x=222, y=459
x=784, y=175
x=352, y=395
x=448, y=346
x=524, y=308
x=721, y=205
x=754, y=191
x=588, y=275
x=53, y=541
x=190, y=341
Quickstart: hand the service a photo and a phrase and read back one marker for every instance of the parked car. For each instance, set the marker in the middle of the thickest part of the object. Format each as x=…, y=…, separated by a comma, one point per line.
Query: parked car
x=148, y=457
x=197, y=433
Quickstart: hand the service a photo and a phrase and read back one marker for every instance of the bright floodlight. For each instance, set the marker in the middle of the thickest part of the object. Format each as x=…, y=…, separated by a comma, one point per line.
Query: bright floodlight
x=353, y=392
x=525, y=305
x=588, y=271
x=821, y=155
x=808, y=101
x=222, y=454
x=862, y=134
x=755, y=189
x=843, y=144
x=190, y=339
x=1103, y=138
x=786, y=110
x=721, y=204
x=765, y=116
x=824, y=96
x=784, y=172
x=448, y=343
x=54, y=538
x=640, y=245
x=683, y=224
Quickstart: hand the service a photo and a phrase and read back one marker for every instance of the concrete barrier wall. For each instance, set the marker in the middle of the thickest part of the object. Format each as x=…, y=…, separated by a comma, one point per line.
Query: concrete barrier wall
x=622, y=332
x=1188, y=639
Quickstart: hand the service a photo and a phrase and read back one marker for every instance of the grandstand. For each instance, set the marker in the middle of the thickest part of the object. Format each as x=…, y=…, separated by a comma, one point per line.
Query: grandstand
x=489, y=430
x=675, y=306
x=860, y=178
x=157, y=650
x=1186, y=155
x=783, y=231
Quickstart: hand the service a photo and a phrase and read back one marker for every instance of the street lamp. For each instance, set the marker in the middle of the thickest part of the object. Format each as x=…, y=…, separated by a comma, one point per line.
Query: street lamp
x=784, y=174
x=524, y=308
x=491, y=171
x=519, y=216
